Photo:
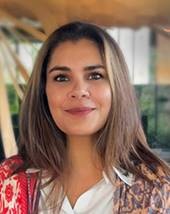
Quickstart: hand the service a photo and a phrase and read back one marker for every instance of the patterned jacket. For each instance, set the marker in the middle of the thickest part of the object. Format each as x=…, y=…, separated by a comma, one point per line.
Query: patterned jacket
x=19, y=192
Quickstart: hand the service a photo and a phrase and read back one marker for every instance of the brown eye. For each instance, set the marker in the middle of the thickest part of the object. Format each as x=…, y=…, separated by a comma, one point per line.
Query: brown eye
x=61, y=78
x=95, y=76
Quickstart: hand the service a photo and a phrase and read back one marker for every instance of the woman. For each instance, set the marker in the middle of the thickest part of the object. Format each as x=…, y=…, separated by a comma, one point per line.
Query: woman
x=82, y=148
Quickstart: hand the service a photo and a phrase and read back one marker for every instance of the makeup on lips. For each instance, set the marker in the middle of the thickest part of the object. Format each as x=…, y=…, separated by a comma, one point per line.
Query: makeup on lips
x=80, y=111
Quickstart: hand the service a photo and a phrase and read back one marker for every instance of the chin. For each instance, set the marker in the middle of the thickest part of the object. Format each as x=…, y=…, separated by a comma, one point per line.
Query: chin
x=80, y=132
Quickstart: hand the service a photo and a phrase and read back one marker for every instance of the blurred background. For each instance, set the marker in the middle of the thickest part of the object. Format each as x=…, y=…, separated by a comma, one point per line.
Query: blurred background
x=141, y=28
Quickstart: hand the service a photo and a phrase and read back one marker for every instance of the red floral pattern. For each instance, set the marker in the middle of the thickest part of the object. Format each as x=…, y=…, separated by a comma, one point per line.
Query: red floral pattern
x=142, y=197
x=9, y=192
x=11, y=188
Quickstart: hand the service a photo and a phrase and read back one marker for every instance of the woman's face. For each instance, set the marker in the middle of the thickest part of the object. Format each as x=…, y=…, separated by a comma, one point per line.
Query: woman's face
x=77, y=88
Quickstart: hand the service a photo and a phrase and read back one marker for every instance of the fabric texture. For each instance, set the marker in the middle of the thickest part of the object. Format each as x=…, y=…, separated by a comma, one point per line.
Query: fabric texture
x=98, y=199
x=19, y=192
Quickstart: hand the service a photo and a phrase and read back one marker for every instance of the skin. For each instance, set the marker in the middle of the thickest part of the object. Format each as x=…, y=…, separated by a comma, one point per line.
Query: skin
x=79, y=99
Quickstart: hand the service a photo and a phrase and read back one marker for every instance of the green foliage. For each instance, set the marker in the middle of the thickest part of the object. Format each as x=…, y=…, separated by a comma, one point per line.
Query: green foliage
x=154, y=103
x=13, y=99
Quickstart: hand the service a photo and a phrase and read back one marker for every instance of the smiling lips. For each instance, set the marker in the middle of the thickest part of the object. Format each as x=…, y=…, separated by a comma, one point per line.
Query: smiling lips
x=80, y=111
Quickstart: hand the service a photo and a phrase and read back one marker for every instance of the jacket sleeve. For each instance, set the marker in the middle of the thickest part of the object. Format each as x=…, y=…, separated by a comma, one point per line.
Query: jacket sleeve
x=160, y=196
x=13, y=187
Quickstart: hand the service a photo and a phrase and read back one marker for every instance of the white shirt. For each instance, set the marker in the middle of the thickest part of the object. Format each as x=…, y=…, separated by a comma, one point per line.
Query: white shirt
x=97, y=200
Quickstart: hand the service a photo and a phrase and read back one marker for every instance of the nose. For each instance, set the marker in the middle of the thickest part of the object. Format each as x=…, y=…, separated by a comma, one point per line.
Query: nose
x=79, y=94
x=79, y=91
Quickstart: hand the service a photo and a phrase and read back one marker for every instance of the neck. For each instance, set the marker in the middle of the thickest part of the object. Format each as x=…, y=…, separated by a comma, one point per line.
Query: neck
x=82, y=156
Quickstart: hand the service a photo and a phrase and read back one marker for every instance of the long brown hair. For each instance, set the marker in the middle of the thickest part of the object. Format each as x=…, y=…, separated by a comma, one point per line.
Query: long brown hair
x=121, y=142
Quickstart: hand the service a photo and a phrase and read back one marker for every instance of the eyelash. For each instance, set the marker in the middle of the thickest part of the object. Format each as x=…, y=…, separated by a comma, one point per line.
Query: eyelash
x=95, y=74
x=61, y=76
x=91, y=76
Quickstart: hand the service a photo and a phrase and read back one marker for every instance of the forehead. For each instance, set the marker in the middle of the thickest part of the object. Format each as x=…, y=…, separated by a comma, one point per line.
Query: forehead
x=76, y=51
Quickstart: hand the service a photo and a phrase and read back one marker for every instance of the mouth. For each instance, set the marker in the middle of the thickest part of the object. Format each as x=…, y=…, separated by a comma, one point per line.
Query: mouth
x=80, y=111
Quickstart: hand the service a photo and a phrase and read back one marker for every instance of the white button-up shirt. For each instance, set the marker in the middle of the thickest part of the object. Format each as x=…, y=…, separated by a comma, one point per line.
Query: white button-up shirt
x=97, y=200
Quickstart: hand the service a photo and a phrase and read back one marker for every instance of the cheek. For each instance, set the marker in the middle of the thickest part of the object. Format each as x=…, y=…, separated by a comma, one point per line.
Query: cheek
x=54, y=96
x=52, y=99
x=104, y=97
x=53, y=103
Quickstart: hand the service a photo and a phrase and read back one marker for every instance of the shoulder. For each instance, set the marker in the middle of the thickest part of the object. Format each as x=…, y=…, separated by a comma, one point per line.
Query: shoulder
x=8, y=166
x=160, y=177
x=146, y=193
x=156, y=188
x=15, y=186
x=12, y=186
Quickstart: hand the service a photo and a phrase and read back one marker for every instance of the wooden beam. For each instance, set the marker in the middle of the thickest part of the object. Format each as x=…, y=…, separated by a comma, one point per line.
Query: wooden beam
x=7, y=133
x=21, y=67
x=11, y=70
x=9, y=19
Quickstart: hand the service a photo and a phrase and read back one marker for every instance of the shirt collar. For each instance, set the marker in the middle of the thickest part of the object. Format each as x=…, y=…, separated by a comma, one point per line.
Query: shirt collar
x=125, y=176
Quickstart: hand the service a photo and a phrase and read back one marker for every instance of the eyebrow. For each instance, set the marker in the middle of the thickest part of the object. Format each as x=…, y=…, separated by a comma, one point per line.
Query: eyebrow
x=86, y=68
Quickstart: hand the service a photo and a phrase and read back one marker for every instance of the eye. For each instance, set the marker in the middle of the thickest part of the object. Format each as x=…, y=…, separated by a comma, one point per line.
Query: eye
x=61, y=78
x=95, y=76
